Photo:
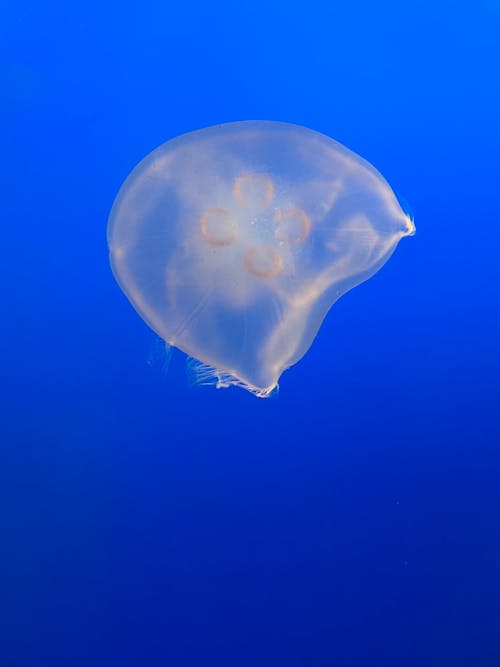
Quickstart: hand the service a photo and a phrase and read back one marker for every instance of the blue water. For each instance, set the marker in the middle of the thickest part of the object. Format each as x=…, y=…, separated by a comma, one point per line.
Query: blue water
x=354, y=519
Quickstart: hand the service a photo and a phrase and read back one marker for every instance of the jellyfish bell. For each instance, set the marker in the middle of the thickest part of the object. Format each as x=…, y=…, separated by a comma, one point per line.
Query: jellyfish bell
x=234, y=241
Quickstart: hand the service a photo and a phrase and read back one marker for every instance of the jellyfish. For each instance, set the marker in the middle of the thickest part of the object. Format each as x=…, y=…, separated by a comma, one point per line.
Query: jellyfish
x=234, y=241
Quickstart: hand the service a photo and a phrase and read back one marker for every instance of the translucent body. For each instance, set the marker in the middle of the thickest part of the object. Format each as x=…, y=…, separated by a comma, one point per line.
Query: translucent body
x=234, y=241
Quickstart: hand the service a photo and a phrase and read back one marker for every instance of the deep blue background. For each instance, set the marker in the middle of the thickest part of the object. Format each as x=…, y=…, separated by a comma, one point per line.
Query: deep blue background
x=355, y=519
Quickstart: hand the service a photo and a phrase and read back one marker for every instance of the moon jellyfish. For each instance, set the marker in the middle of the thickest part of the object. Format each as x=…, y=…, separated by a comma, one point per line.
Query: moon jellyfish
x=234, y=241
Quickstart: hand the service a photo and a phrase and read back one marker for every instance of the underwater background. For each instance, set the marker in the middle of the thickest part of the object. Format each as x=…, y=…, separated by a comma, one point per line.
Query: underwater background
x=355, y=518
